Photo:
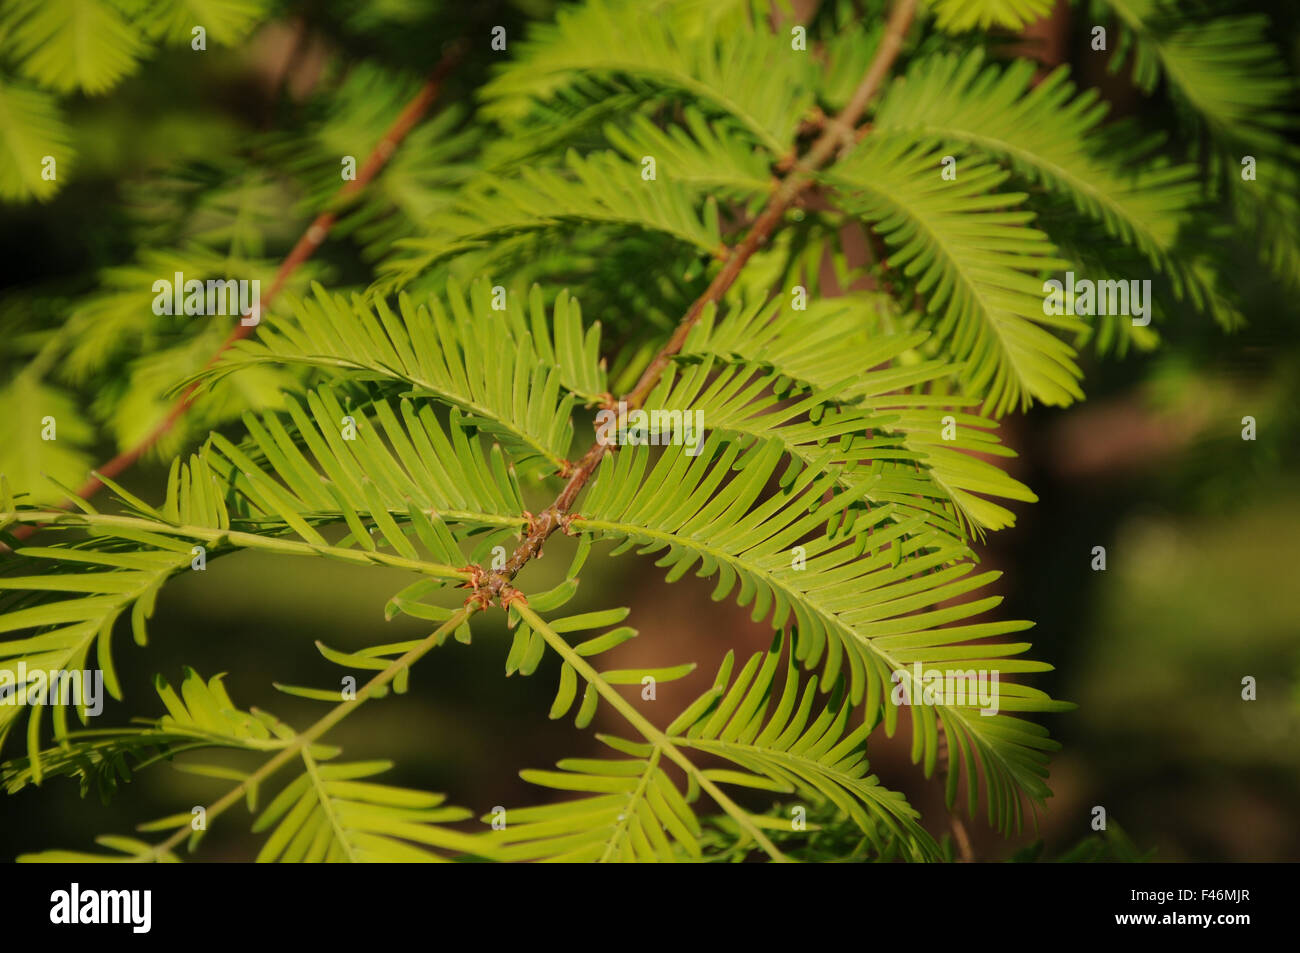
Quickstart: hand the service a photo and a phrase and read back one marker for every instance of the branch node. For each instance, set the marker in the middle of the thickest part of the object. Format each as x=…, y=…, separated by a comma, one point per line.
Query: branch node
x=812, y=123
x=509, y=594
x=476, y=575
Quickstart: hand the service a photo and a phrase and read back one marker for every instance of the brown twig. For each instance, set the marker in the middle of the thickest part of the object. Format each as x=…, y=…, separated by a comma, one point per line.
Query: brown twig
x=837, y=135
x=307, y=244
x=962, y=838
x=283, y=73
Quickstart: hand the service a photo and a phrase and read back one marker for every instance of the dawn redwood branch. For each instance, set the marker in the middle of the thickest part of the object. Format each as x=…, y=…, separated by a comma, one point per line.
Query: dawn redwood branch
x=306, y=246
x=838, y=135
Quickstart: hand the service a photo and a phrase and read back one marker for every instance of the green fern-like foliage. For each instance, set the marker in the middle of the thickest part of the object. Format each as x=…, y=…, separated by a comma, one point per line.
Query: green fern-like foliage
x=687, y=172
x=771, y=733
x=326, y=813
x=86, y=46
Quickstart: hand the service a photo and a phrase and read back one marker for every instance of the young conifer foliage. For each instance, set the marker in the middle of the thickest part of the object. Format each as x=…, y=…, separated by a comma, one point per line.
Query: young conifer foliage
x=812, y=432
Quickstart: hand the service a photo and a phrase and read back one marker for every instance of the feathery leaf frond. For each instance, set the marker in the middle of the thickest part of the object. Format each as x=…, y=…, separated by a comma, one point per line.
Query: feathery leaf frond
x=201, y=716
x=948, y=100
x=749, y=74
x=130, y=849
x=328, y=814
x=226, y=21
x=31, y=128
x=411, y=470
x=977, y=263
x=270, y=487
x=900, y=436
x=957, y=16
x=490, y=365
x=67, y=45
x=600, y=189
x=37, y=467
x=529, y=646
x=711, y=158
x=67, y=599
x=866, y=603
x=637, y=813
x=1225, y=67
x=1230, y=79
